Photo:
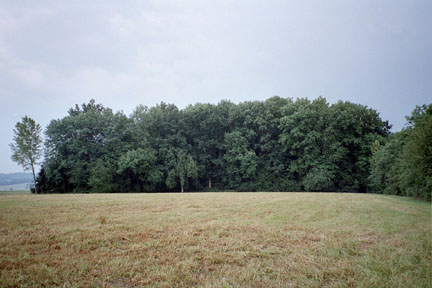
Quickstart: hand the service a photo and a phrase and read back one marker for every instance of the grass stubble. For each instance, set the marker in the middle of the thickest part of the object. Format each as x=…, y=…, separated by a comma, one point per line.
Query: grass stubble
x=214, y=240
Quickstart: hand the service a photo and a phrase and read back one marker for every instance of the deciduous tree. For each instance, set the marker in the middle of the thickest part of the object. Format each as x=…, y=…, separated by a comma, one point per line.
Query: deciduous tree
x=184, y=168
x=27, y=145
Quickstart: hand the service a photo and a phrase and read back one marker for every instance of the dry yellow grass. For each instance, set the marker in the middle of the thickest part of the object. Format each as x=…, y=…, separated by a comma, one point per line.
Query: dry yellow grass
x=214, y=240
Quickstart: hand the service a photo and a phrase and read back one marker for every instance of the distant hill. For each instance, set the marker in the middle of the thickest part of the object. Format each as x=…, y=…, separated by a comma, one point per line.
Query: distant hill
x=15, y=178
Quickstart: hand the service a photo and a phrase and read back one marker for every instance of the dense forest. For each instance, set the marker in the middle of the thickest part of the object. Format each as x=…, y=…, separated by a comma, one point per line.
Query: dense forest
x=279, y=144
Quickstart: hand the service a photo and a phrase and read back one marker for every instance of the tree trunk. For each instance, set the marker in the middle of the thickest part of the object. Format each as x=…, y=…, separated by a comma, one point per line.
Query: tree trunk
x=278, y=181
x=209, y=182
x=34, y=179
x=181, y=185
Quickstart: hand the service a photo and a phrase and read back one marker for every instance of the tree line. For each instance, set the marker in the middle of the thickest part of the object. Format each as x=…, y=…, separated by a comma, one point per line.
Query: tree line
x=279, y=144
x=402, y=165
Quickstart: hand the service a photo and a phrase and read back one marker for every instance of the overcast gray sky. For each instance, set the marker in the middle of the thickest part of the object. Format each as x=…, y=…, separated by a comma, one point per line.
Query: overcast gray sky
x=54, y=54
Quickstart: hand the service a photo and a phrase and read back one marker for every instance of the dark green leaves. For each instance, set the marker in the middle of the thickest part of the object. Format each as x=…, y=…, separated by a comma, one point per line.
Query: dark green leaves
x=275, y=145
x=403, y=166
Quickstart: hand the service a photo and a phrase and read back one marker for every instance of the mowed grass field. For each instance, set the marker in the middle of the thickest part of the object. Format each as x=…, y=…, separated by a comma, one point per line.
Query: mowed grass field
x=215, y=240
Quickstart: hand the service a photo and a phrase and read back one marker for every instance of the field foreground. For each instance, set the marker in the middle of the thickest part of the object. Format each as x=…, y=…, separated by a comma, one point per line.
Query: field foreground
x=214, y=240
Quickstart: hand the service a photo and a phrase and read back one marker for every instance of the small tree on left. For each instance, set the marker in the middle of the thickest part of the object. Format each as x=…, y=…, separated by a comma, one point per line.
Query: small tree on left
x=27, y=145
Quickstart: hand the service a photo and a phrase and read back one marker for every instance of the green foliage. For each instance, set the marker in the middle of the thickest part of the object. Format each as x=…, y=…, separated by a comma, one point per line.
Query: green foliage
x=356, y=128
x=299, y=136
x=140, y=166
x=318, y=179
x=184, y=168
x=204, y=127
x=27, y=145
x=403, y=166
x=273, y=145
x=76, y=145
x=417, y=155
x=240, y=160
x=101, y=177
x=387, y=165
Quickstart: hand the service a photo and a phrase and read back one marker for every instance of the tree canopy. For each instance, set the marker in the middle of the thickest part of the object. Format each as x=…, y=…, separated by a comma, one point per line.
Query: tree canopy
x=403, y=164
x=279, y=144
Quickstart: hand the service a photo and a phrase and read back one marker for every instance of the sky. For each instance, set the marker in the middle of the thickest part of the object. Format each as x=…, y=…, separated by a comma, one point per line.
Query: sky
x=55, y=54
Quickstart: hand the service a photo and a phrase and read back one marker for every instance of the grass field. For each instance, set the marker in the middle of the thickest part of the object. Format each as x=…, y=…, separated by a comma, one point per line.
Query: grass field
x=14, y=192
x=215, y=240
